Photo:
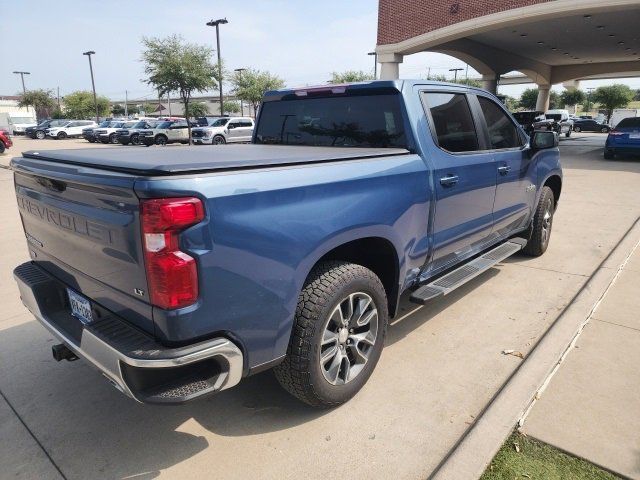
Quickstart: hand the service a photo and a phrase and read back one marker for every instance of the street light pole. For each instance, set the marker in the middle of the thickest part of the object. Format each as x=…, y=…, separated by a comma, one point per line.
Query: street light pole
x=240, y=70
x=589, y=90
x=22, y=74
x=93, y=83
x=217, y=23
x=375, y=64
x=455, y=73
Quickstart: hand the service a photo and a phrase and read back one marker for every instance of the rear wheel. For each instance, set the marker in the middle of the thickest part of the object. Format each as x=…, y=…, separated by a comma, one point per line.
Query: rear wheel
x=338, y=334
x=542, y=223
x=61, y=136
x=219, y=140
x=604, y=130
x=40, y=135
x=2, y=147
x=576, y=129
x=161, y=140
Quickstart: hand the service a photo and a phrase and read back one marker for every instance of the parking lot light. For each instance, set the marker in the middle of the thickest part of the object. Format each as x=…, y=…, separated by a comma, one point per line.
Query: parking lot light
x=93, y=83
x=22, y=74
x=217, y=23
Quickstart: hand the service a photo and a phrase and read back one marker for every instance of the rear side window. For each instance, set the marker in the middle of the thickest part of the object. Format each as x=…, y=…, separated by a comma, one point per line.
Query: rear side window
x=502, y=132
x=340, y=121
x=633, y=122
x=452, y=120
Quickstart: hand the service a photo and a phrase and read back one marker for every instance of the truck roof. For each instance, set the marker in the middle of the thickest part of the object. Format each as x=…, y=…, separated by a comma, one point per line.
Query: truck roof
x=168, y=160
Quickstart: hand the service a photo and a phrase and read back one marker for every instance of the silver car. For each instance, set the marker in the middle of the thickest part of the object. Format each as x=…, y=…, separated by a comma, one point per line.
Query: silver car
x=224, y=130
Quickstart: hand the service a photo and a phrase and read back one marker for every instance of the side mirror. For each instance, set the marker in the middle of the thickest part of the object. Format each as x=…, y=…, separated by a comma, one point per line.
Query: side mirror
x=543, y=140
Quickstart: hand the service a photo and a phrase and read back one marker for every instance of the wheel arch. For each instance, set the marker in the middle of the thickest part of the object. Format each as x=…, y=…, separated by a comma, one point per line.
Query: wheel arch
x=554, y=182
x=379, y=255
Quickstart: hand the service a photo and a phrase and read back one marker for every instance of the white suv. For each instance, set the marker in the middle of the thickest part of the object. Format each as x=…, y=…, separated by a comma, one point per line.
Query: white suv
x=73, y=128
x=224, y=130
x=171, y=131
x=108, y=134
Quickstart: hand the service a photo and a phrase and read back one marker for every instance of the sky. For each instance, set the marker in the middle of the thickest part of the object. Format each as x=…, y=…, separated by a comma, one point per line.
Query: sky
x=301, y=41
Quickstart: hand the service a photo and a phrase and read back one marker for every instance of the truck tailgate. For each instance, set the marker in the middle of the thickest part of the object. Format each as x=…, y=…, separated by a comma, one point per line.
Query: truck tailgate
x=82, y=225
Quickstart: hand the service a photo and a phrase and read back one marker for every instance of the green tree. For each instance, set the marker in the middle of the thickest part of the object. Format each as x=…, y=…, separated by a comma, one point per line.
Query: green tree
x=199, y=109
x=572, y=97
x=117, y=110
x=173, y=65
x=80, y=105
x=511, y=103
x=251, y=85
x=612, y=97
x=57, y=113
x=351, y=76
x=529, y=98
x=41, y=100
x=554, y=100
x=232, y=107
x=472, y=82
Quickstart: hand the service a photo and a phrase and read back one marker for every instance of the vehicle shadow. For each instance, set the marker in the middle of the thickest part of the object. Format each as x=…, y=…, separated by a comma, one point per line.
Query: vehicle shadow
x=93, y=431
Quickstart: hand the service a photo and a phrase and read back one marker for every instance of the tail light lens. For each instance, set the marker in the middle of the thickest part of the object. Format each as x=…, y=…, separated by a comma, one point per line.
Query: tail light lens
x=172, y=274
x=615, y=133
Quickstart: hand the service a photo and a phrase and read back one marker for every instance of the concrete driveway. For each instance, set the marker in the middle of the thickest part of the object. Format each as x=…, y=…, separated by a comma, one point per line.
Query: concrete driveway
x=441, y=367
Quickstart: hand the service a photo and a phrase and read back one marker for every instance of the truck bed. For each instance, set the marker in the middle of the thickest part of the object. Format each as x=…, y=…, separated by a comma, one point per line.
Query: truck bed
x=172, y=160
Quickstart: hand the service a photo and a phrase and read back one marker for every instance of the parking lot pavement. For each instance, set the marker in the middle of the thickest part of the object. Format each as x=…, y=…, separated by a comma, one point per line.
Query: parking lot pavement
x=441, y=367
x=591, y=407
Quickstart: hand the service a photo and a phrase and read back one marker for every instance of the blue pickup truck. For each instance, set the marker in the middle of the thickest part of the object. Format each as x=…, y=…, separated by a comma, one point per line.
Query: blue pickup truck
x=177, y=271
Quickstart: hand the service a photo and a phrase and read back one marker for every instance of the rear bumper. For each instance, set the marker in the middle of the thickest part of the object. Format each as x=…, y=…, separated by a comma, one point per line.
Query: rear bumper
x=132, y=361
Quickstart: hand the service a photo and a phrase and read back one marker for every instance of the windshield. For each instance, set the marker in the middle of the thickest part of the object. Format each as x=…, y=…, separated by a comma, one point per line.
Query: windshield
x=219, y=122
x=105, y=124
x=117, y=124
x=16, y=120
x=553, y=116
x=344, y=121
x=164, y=125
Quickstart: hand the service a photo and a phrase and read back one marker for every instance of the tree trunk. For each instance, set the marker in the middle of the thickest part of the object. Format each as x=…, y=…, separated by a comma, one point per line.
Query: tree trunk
x=186, y=116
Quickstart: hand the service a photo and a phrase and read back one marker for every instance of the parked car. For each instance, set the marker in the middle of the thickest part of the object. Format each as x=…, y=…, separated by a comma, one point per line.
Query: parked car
x=224, y=130
x=557, y=121
x=17, y=122
x=88, y=133
x=70, y=129
x=132, y=134
x=624, y=139
x=39, y=131
x=109, y=134
x=182, y=272
x=171, y=131
x=619, y=114
x=5, y=140
x=587, y=125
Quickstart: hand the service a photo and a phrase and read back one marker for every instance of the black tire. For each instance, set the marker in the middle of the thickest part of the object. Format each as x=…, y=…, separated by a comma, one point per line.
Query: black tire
x=327, y=287
x=113, y=139
x=576, y=129
x=40, y=135
x=609, y=155
x=568, y=134
x=135, y=139
x=218, y=140
x=123, y=142
x=61, y=136
x=540, y=232
x=161, y=140
x=604, y=130
x=2, y=147
x=91, y=140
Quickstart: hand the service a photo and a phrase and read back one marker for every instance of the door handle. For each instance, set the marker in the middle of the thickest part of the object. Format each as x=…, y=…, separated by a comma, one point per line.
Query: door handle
x=449, y=180
x=503, y=170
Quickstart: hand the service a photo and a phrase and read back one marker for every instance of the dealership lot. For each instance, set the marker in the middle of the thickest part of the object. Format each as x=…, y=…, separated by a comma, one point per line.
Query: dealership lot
x=441, y=367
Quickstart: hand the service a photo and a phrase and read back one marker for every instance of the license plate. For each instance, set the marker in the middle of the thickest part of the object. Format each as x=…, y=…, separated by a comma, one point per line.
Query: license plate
x=80, y=307
x=634, y=135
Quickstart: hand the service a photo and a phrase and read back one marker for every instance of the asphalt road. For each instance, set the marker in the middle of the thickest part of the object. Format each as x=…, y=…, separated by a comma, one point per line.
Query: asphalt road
x=441, y=366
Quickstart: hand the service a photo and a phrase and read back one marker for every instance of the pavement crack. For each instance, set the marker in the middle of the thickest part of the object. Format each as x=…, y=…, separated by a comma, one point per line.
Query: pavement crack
x=548, y=269
x=616, y=324
x=44, y=450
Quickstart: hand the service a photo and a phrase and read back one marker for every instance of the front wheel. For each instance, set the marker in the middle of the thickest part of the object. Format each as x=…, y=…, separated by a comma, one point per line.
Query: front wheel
x=540, y=231
x=568, y=134
x=135, y=139
x=338, y=334
x=218, y=140
x=113, y=139
x=2, y=147
x=61, y=136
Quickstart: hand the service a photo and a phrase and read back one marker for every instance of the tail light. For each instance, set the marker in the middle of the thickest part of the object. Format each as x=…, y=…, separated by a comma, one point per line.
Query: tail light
x=171, y=273
x=616, y=133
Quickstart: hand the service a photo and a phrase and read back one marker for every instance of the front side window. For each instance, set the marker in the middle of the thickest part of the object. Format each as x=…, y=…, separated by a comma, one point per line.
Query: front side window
x=502, y=132
x=367, y=120
x=455, y=130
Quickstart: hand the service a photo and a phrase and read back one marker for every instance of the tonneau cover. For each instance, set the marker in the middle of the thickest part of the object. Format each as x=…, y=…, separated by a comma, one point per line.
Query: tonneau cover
x=174, y=159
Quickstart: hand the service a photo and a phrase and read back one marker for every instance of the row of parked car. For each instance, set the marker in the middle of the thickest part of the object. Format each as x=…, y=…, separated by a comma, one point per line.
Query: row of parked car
x=149, y=131
x=559, y=121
